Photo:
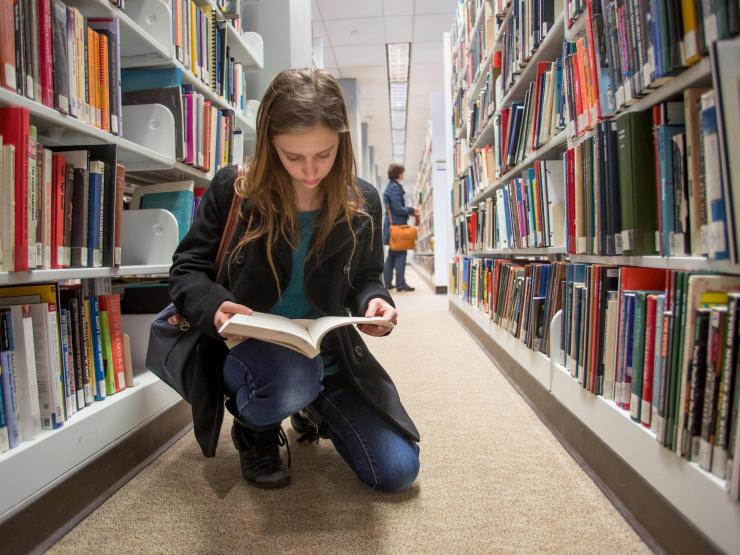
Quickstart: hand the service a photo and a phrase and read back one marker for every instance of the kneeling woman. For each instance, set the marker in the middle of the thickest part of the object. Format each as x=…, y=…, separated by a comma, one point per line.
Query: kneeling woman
x=307, y=244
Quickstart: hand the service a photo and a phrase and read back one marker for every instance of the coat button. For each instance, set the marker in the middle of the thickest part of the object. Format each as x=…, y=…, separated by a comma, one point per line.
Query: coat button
x=359, y=351
x=240, y=260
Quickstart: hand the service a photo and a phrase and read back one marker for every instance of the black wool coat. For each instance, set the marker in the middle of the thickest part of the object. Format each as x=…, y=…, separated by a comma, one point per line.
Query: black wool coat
x=336, y=281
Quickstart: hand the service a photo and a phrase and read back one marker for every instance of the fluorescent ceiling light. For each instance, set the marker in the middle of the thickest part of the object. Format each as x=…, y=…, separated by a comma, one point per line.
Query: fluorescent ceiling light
x=398, y=61
x=398, y=119
x=398, y=136
x=398, y=92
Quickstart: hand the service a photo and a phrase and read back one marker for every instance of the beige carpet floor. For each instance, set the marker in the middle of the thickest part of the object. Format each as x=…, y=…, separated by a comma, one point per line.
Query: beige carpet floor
x=493, y=478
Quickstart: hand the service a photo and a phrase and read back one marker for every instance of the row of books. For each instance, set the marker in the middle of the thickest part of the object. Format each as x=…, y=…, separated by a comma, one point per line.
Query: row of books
x=522, y=33
x=484, y=106
x=663, y=345
x=527, y=212
x=62, y=348
x=520, y=296
x=462, y=36
x=54, y=55
x=426, y=263
x=632, y=47
x=201, y=45
x=524, y=127
x=205, y=137
x=61, y=205
x=650, y=182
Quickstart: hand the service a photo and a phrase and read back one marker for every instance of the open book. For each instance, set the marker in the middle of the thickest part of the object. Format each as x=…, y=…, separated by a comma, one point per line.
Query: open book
x=303, y=336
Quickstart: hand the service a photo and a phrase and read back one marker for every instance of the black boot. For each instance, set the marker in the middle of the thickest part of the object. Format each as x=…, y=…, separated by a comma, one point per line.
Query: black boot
x=259, y=455
x=310, y=425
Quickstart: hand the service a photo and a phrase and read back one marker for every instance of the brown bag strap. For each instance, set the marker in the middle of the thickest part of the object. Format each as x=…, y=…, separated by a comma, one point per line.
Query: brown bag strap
x=390, y=217
x=228, y=233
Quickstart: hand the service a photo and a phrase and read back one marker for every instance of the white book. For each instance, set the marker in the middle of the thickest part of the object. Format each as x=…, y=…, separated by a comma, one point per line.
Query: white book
x=49, y=378
x=302, y=336
x=610, y=345
x=10, y=399
x=26, y=379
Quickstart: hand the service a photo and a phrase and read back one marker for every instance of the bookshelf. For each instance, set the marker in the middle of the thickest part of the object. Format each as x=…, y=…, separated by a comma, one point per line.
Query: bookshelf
x=61, y=475
x=431, y=252
x=675, y=503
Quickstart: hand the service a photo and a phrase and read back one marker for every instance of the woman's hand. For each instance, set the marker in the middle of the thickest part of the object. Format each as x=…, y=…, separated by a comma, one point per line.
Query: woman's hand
x=378, y=307
x=227, y=310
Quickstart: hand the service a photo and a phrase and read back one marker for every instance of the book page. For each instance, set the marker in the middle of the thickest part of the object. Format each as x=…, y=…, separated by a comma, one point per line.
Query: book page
x=270, y=327
x=318, y=328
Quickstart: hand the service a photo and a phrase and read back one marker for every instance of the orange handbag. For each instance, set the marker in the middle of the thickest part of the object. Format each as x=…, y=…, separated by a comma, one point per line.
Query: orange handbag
x=403, y=237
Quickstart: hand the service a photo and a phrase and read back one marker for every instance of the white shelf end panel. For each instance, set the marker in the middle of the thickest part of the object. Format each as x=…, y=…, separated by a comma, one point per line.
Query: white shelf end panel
x=34, y=466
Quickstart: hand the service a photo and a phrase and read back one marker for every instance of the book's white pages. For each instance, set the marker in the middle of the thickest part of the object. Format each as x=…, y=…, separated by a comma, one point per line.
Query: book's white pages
x=303, y=336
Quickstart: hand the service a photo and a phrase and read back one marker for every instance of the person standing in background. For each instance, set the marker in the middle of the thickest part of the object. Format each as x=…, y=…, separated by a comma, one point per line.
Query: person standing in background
x=395, y=206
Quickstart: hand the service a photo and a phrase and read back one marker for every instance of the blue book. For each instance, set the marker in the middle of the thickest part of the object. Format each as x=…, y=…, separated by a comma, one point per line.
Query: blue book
x=95, y=215
x=715, y=230
x=145, y=79
x=664, y=137
x=7, y=377
x=175, y=196
x=97, y=349
x=625, y=384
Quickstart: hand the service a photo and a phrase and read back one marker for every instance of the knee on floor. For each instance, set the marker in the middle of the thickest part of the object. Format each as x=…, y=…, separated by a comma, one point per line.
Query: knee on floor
x=400, y=468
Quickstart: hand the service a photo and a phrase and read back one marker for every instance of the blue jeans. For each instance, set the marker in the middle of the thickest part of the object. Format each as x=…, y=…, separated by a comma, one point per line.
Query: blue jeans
x=267, y=383
x=395, y=260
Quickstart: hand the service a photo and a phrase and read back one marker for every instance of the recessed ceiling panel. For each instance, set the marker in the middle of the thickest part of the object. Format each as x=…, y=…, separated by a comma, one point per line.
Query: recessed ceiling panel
x=427, y=53
x=399, y=28
x=351, y=32
x=398, y=7
x=348, y=9
x=368, y=74
x=431, y=27
x=436, y=7
x=357, y=56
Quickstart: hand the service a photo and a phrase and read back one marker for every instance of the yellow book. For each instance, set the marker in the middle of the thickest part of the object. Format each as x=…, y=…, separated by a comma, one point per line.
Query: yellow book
x=690, y=36
x=193, y=40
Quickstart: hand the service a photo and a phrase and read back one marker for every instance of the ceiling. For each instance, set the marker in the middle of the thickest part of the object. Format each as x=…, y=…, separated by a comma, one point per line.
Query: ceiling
x=354, y=34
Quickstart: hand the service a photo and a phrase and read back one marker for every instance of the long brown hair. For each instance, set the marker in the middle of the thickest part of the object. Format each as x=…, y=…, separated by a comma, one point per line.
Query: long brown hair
x=296, y=100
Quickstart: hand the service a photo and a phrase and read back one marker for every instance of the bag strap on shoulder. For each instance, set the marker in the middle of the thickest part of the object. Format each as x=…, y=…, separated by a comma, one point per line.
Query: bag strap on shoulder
x=228, y=233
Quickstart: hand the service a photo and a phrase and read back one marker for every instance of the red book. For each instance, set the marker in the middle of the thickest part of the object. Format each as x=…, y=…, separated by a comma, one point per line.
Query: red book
x=59, y=177
x=648, y=365
x=641, y=279
x=14, y=124
x=592, y=61
x=45, y=53
x=7, y=45
x=112, y=305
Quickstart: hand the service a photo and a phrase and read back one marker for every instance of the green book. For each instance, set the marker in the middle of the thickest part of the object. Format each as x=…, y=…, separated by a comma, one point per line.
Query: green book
x=676, y=350
x=637, y=183
x=638, y=354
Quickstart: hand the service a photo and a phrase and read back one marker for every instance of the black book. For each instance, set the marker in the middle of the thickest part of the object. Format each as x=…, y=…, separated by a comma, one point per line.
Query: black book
x=170, y=98
x=696, y=380
x=20, y=75
x=69, y=201
x=614, y=240
x=59, y=55
x=79, y=218
x=28, y=39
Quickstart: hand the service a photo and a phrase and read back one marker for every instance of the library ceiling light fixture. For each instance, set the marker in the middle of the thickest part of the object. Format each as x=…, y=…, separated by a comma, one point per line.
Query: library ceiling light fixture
x=398, y=55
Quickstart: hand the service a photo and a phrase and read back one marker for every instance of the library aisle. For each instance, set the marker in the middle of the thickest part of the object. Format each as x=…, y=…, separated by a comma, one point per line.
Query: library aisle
x=497, y=481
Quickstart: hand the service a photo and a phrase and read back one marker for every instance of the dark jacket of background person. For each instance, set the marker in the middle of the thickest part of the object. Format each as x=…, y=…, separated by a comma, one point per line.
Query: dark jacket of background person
x=393, y=196
x=332, y=284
